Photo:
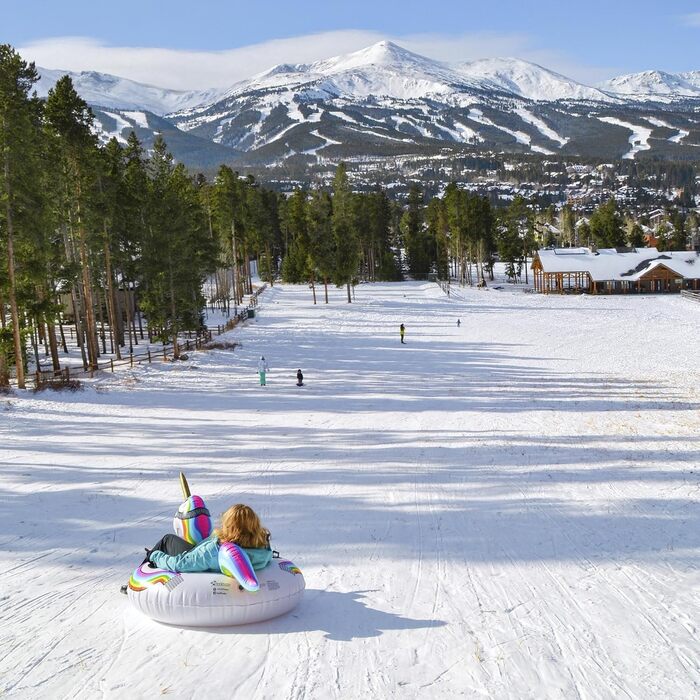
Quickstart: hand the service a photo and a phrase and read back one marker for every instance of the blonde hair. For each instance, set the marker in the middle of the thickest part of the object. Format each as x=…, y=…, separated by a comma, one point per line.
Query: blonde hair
x=241, y=525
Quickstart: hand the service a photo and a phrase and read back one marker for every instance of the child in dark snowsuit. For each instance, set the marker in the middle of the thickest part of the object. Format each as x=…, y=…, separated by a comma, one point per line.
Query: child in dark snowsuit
x=402, y=330
x=300, y=378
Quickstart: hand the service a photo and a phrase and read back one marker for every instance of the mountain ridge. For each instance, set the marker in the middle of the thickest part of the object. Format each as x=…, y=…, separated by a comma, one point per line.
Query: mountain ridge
x=387, y=100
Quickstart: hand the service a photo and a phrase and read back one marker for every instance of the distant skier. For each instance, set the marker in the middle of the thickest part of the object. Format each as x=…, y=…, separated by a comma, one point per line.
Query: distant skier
x=263, y=368
x=402, y=330
x=459, y=323
x=300, y=378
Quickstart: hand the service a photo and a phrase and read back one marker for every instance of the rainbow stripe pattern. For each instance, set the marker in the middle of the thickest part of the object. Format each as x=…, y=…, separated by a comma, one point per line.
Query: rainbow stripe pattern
x=289, y=567
x=234, y=562
x=146, y=576
x=192, y=521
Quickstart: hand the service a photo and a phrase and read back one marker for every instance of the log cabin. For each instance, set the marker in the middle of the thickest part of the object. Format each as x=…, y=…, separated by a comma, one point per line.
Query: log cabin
x=615, y=270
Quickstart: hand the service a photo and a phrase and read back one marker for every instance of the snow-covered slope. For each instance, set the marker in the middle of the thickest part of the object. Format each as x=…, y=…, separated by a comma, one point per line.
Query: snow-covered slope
x=120, y=93
x=528, y=80
x=655, y=84
x=489, y=511
x=383, y=69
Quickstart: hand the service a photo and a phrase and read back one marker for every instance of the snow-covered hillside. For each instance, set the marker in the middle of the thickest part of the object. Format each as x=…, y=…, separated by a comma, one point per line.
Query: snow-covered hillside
x=655, y=85
x=492, y=510
x=112, y=91
x=529, y=80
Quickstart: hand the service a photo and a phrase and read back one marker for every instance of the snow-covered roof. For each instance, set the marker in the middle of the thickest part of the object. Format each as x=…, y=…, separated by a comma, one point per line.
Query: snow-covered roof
x=609, y=264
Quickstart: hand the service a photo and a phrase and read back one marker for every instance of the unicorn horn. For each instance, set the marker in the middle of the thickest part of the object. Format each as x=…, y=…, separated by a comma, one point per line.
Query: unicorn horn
x=184, y=486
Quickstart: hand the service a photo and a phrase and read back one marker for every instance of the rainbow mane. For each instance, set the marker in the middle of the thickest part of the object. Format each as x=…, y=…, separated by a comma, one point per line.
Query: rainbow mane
x=193, y=521
x=290, y=567
x=145, y=576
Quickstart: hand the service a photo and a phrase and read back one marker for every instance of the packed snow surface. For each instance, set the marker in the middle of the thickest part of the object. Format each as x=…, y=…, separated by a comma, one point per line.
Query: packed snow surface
x=505, y=509
x=639, y=140
x=676, y=138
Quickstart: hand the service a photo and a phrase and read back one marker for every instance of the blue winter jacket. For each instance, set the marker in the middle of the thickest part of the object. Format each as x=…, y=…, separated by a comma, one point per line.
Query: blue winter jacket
x=205, y=557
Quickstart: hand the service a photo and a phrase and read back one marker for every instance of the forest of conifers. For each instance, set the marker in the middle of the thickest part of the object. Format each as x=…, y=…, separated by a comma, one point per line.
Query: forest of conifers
x=100, y=232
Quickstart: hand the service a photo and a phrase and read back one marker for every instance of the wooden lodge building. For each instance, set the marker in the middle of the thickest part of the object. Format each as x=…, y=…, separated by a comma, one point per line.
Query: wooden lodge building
x=615, y=270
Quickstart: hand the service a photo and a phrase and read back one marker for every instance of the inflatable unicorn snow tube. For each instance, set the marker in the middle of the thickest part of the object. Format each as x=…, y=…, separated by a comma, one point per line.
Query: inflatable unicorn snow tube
x=237, y=595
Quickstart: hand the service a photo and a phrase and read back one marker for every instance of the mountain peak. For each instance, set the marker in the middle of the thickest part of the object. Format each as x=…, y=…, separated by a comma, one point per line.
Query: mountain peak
x=653, y=83
x=383, y=54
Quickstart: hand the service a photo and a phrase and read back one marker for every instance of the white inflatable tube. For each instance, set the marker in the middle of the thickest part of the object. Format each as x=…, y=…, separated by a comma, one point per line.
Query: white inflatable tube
x=213, y=599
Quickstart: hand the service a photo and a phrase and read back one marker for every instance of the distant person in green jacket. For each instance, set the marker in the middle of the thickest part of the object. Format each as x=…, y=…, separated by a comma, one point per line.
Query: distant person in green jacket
x=402, y=330
x=263, y=369
x=239, y=524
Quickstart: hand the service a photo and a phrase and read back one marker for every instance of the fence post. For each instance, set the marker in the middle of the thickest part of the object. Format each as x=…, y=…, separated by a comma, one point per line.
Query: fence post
x=111, y=364
x=131, y=359
x=165, y=351
x=67, y=374
x=149, y=356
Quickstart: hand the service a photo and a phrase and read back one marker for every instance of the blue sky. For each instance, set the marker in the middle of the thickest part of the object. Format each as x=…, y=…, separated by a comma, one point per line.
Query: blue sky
x=171, y=43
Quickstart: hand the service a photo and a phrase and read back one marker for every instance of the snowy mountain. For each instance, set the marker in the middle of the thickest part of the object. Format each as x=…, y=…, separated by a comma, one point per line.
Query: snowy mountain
x=385, y=100
x=529, y=80
x=383, y=69
x=654, y=85
x=115, y=92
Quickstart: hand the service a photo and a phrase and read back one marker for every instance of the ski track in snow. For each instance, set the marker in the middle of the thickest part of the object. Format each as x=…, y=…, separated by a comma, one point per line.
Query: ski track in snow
x=676, y=138
x=139, y=118
x=541, y=126
x=326, y=142
x=520, y=136
x=116, y=133
x=639, y=138
x=487, y=511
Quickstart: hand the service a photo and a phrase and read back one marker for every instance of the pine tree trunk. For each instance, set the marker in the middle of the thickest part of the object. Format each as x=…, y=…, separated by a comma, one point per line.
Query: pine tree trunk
x=62, y=332
x=79, y=327
x=35, y=346
x=248, y=275
x=53, y=345
x=173, y=310
x=75, y=298
x=325, y=285
x=234, y=266
x=349, y=294
x=14, y=311
x=50, y=333
x=129, y=318
x=137, y=314
x=111, y=300
x=91, y=326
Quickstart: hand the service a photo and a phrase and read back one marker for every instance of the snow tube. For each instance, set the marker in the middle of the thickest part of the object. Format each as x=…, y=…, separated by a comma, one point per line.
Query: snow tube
x=214, y=599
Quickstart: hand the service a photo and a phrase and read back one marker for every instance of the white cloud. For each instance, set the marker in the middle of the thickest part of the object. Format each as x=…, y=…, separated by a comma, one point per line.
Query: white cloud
x=189, y=70
x=692, y=20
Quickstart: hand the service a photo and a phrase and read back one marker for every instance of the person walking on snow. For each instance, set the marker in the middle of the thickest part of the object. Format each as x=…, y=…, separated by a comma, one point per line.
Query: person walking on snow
x=402, y=330
x=300, y=378
x=459, y=323
x=262, y=369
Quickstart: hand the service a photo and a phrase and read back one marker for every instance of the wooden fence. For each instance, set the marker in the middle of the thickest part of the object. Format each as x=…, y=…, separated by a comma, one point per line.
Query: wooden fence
x=693, y=296
x=65, y=375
